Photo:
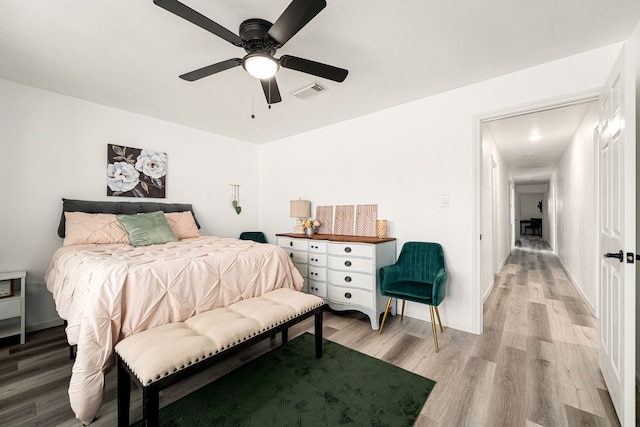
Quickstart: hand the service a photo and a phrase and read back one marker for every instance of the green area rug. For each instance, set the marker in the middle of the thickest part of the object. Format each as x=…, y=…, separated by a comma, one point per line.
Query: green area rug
x=288, y=386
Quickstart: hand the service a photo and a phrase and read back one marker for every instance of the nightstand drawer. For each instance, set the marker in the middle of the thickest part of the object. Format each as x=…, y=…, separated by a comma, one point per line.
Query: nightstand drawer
x=10, y=307
x=363, y=265
x=350, y=296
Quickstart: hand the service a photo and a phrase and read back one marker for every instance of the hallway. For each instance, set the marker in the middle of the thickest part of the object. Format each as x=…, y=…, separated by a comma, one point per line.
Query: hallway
x=544, y=340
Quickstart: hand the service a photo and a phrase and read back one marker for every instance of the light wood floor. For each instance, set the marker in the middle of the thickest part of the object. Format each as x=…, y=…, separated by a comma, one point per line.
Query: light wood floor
x=535, y=364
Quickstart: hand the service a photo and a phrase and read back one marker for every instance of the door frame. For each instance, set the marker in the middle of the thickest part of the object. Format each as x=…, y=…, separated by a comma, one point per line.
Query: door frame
x=477, y=173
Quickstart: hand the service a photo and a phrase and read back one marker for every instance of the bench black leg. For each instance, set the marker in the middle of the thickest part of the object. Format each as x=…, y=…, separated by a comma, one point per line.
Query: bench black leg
x=151, y=405
x=318, y=333
x=124, y=395
x=285, y=335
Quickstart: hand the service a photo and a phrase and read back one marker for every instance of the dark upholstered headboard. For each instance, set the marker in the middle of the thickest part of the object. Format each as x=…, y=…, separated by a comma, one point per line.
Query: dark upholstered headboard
x=128, y=208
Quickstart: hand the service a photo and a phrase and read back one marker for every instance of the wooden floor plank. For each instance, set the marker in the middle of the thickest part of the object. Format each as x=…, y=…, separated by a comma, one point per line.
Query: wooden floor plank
x=507, y=402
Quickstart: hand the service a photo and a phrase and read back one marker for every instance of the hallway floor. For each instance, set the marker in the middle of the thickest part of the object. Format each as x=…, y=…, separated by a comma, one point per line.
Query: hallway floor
x=537, y=361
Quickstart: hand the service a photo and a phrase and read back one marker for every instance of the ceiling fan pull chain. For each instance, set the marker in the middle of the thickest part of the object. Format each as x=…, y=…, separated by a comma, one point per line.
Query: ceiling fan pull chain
x=253, y=110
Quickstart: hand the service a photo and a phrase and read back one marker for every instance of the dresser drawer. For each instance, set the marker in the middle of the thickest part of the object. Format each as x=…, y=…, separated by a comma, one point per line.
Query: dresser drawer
x=318, y=246
x=318, y=288
x=295, y=244
x=350, y=249
x=297, y=257
x=302, y=268
x=9, y=308
x=363, y=265
x=353, y=280
x=350, y=296
x=317, y=273
x=318, y=259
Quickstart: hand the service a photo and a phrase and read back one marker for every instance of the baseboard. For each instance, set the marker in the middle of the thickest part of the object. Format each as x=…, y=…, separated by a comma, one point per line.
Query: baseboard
x=43, y=325
x=574, y=282
x=488, y=292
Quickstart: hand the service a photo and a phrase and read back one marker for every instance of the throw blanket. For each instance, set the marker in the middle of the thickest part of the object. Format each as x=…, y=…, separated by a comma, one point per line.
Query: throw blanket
x=107, y=292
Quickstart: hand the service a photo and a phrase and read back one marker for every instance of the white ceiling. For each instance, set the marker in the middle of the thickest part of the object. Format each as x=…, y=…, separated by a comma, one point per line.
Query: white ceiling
x=128, y=54
x=533, y=160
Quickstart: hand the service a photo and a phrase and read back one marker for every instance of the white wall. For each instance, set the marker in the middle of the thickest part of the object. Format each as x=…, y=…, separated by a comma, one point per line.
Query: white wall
x=54, y=146
x=496, y=225
x=404, y=158
x=576, y=215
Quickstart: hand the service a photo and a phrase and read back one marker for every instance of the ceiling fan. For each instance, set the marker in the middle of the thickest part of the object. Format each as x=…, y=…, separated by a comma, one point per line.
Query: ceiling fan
x=261, y=39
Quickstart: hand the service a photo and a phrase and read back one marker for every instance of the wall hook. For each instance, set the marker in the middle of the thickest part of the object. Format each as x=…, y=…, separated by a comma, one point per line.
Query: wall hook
x=235, y=189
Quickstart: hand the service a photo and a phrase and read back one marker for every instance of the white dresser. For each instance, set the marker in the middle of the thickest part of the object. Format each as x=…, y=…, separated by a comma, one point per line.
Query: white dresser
x=342, y=269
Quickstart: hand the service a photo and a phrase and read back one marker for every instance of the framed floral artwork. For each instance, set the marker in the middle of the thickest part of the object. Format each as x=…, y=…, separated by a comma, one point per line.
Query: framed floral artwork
x=135, y=172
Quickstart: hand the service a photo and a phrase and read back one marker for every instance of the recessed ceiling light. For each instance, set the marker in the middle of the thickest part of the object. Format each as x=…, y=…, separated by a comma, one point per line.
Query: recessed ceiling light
x=534, y=138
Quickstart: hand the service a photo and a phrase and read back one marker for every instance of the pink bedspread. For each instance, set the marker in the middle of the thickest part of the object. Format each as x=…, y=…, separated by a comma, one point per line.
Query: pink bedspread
x=108, y=292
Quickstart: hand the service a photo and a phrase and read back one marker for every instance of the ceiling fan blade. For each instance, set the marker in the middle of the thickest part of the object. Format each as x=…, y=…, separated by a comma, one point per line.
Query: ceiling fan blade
x=312, y=67
x=271, y=91
x=296, y=15
x=211, y=69
x=198, y=19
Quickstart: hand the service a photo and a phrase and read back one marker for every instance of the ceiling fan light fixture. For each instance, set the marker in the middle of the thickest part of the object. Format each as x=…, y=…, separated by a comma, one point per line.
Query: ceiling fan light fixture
x=260, y=65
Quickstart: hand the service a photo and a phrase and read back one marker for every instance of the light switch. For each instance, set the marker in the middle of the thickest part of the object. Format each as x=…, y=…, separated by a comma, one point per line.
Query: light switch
x=444, y=201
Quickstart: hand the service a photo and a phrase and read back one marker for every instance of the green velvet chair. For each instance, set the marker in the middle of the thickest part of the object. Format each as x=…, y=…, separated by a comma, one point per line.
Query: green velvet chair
x=420, y=276
x=256, y=236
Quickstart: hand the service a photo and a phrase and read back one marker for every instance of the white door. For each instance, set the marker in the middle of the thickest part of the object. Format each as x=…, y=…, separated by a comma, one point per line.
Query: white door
x=617, y=236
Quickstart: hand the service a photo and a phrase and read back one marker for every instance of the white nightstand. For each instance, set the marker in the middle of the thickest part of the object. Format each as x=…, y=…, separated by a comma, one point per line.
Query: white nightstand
x=12, y=308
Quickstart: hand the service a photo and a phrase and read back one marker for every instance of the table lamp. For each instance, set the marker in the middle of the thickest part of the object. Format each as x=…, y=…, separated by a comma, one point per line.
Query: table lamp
x=300, y=209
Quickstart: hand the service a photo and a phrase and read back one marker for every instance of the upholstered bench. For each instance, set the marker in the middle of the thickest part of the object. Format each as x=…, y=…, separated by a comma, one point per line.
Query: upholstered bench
x=164, y=355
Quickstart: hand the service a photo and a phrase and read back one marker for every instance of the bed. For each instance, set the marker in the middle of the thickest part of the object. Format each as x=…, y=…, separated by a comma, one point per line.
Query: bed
x=108, y=284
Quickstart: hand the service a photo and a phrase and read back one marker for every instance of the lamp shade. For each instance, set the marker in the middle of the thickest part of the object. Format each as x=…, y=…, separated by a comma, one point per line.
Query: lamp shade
x=300, y=209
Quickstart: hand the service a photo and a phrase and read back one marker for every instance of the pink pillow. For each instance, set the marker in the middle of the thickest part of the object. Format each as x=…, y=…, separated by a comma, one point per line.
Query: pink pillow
x=84, y=228
x=182, y=224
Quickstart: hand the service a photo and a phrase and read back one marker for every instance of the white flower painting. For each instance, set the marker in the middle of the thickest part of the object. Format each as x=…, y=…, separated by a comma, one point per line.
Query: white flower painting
x=135, y=172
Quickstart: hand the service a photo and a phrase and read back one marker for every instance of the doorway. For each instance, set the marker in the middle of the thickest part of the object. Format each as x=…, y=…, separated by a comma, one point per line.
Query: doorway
x=534, y=150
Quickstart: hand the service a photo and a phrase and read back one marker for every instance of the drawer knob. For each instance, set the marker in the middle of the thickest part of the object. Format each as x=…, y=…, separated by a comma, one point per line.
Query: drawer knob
x=347, y=263
x=290, y=243
x=347, y=279
x=347, y=249
x=291, y=255
x=347, y=295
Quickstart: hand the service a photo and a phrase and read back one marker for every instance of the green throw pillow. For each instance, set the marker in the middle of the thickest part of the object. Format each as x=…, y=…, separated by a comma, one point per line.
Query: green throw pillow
x=147, y=228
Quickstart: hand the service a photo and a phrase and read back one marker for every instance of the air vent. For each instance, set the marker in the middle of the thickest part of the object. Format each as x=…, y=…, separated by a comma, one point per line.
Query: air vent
x=308, y=90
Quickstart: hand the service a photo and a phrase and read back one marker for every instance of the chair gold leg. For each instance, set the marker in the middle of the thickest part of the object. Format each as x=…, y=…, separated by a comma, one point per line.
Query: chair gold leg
x=439, y=321
x=384, y=318
x=403, y=303
x=433, y=326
